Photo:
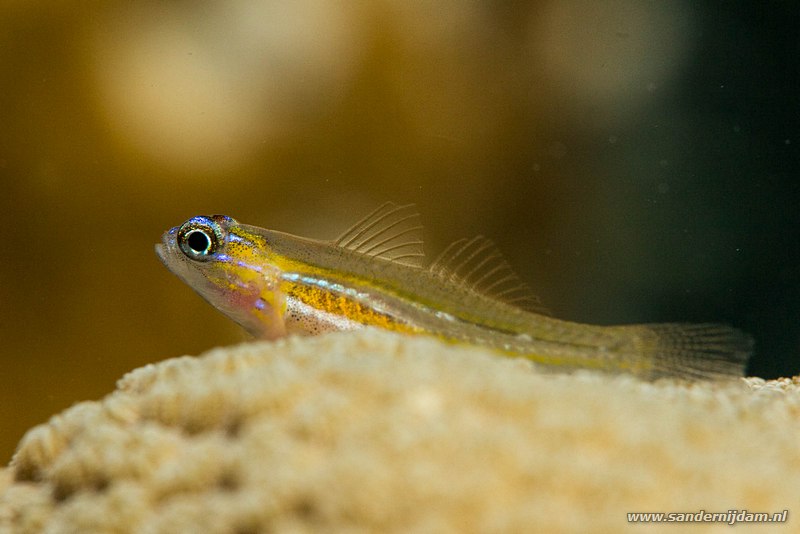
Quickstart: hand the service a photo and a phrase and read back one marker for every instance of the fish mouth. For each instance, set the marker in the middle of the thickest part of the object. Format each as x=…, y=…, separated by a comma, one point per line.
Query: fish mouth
x=161, y=252
x=167, y=241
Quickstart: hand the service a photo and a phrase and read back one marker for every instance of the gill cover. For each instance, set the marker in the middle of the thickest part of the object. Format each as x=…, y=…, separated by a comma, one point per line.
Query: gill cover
x=230, y=268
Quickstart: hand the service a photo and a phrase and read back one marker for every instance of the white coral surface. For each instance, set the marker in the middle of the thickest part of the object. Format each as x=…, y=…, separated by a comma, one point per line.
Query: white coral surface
x=371, y=431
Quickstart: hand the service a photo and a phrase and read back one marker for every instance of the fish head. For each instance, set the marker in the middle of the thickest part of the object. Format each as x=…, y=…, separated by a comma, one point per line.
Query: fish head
x=229, y=266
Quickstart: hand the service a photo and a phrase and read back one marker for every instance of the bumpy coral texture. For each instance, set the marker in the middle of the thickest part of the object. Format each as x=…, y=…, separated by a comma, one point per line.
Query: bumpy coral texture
x=371, y=431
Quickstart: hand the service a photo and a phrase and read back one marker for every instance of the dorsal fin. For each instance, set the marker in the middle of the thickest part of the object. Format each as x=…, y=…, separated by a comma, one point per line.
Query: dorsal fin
x=479, y=265
x=391, y=232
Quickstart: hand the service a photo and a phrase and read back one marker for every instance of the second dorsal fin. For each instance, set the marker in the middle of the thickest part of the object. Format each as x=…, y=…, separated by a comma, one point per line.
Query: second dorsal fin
x=390, y=232
x=479, y=265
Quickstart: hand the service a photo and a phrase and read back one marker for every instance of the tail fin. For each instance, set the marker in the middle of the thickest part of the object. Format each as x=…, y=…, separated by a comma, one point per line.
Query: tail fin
x=693, y=351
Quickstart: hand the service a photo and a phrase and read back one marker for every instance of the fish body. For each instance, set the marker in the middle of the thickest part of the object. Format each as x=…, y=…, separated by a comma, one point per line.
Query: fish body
x=275, y=284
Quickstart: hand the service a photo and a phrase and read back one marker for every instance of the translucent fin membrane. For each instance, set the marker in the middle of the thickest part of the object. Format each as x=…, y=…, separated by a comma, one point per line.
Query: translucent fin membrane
x=391, y=232
x=478, y=265
x=696, y=351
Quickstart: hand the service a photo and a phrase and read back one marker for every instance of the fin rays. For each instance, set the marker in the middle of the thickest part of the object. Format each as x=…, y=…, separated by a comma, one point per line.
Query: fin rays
x=393, y=232
x=699, y=351
x=390, y=232
x=478, y=264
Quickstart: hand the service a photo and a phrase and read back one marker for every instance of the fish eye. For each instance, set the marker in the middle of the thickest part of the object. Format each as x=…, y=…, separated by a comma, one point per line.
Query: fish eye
x=198, y=241
x=199, y=238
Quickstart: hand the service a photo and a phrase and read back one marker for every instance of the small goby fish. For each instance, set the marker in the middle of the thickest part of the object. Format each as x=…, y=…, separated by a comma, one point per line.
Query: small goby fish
x=275, y=284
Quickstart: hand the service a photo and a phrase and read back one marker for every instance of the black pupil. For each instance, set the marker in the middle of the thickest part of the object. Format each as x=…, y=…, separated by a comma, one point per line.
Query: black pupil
x=198, y=242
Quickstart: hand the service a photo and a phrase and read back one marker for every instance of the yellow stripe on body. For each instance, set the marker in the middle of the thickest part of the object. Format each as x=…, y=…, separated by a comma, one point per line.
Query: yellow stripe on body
x=326, y=300
x=329, y=302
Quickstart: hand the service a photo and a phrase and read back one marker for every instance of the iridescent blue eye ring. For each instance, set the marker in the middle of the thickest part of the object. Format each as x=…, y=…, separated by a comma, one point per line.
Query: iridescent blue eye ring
x=200, y=238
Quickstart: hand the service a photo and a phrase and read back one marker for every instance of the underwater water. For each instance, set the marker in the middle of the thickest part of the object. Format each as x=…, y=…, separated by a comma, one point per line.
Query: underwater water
x=635, y=162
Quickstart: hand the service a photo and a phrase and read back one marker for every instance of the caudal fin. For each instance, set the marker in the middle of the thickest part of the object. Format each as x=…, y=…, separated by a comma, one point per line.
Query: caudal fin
x=694, y=351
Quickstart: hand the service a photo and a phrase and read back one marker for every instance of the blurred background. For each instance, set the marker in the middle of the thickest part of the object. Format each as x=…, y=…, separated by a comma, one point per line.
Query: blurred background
x=637, y=161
